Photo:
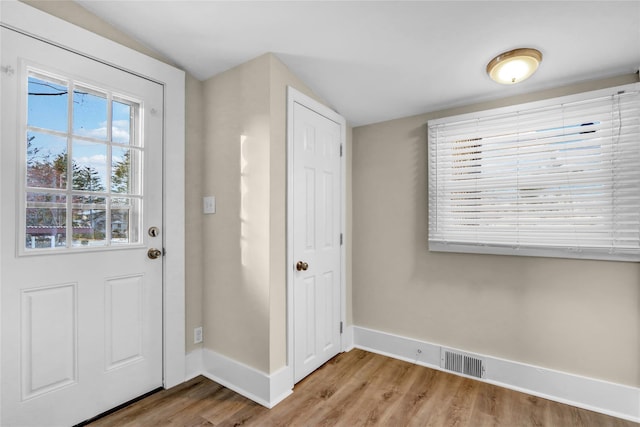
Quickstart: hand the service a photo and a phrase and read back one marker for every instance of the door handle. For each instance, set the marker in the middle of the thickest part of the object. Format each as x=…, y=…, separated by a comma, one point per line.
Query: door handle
x=302, y=266
x=154, y=253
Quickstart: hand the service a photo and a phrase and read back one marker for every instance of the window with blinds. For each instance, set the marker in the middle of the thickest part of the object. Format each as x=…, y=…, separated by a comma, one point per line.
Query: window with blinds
x=558, y=178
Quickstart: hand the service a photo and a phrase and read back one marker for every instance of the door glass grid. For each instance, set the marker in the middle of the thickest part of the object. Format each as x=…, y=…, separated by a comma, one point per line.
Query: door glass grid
x=83, y=166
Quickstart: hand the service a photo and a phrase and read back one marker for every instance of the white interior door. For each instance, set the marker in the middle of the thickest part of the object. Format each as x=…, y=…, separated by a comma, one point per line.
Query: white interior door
x=81, y=185
x=317, y=269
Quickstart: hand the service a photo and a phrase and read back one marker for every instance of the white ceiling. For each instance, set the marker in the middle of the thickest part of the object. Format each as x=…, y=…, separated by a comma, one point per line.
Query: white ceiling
x=377, y=60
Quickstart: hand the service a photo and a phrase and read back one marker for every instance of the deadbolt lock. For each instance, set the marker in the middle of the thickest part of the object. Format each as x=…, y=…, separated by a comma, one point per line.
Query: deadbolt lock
x=154, y=231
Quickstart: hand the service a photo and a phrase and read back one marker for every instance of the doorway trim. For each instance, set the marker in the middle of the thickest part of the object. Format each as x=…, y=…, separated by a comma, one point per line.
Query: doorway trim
x=27, y=20
x=295, y=96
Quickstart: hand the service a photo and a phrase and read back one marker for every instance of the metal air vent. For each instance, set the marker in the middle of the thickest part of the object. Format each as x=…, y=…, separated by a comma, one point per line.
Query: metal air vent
x=462, y=363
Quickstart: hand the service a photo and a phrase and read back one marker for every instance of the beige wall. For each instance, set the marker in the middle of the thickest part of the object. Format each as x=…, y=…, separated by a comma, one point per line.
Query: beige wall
x=575, y=316
x=245, y=241
x=236, y=238
x=194, y=170
x=75, y=14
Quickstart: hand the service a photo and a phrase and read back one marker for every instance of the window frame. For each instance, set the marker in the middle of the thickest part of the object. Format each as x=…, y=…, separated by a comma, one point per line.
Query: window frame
x=438, y=243
x=70, y=192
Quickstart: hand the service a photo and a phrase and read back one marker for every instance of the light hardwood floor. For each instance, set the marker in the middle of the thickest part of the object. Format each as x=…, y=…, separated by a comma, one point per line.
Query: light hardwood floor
x=359, y=388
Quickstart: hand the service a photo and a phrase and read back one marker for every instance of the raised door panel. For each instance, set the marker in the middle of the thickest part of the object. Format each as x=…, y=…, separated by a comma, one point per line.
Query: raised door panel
x=124, y=320
x=49, y=339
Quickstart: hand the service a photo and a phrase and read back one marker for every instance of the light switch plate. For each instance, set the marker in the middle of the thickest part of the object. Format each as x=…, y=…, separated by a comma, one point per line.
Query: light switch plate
x=209, y=204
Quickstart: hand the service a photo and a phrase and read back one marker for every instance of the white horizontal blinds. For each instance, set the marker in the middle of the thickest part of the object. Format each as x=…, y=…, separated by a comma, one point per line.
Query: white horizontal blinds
x=562, y=177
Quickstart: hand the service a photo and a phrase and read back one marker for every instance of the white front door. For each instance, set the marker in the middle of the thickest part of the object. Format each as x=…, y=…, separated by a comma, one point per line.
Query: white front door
x=317, y=227
x=81, y=186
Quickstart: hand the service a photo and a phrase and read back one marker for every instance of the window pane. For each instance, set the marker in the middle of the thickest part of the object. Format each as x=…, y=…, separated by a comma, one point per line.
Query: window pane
x=89, y=166
x=125, y=223
x=46, y=220
x=46, y=160
x=89, y=114
x=80, y=201
x=89, y=216
x=120, y=170
x=47, y=104
x=121, y=125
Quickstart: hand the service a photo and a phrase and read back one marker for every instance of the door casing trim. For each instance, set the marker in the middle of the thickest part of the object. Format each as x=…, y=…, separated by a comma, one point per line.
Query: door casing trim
x=295, y=96
x=30, y=21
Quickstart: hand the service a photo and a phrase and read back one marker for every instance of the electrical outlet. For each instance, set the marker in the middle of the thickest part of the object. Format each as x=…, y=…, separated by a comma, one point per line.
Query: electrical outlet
x=418, y=354
x=197, y=335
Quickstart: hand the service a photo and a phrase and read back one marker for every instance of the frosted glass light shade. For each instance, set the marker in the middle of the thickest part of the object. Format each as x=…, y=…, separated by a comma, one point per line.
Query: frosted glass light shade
x=514, y=66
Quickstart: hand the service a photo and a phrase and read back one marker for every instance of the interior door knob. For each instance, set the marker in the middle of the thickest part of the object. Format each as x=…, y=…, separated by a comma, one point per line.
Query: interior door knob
x=154, y=253
x=302, y=266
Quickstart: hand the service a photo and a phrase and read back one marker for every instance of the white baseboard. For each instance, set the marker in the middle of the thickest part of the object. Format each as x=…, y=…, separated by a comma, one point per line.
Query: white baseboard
x=595, y=395
x=267, y=390
x=347, y=339
x=194, y=362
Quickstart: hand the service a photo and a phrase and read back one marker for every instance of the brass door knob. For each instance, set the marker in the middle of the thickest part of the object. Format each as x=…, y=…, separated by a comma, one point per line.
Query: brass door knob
x=154, y=253
x=302, y=266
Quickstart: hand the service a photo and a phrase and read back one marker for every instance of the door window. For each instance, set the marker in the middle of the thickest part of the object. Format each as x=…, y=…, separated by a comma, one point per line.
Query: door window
x=83, y=166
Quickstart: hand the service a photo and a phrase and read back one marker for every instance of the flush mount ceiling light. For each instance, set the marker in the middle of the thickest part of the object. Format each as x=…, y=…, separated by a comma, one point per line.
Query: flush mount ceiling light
x=514, y=66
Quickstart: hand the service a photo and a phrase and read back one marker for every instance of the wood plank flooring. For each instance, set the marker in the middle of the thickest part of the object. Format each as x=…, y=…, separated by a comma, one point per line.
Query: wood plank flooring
x=359, y=388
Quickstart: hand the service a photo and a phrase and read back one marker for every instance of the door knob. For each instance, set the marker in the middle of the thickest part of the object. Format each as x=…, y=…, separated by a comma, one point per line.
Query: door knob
x=302, y=266
x=154, y=253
